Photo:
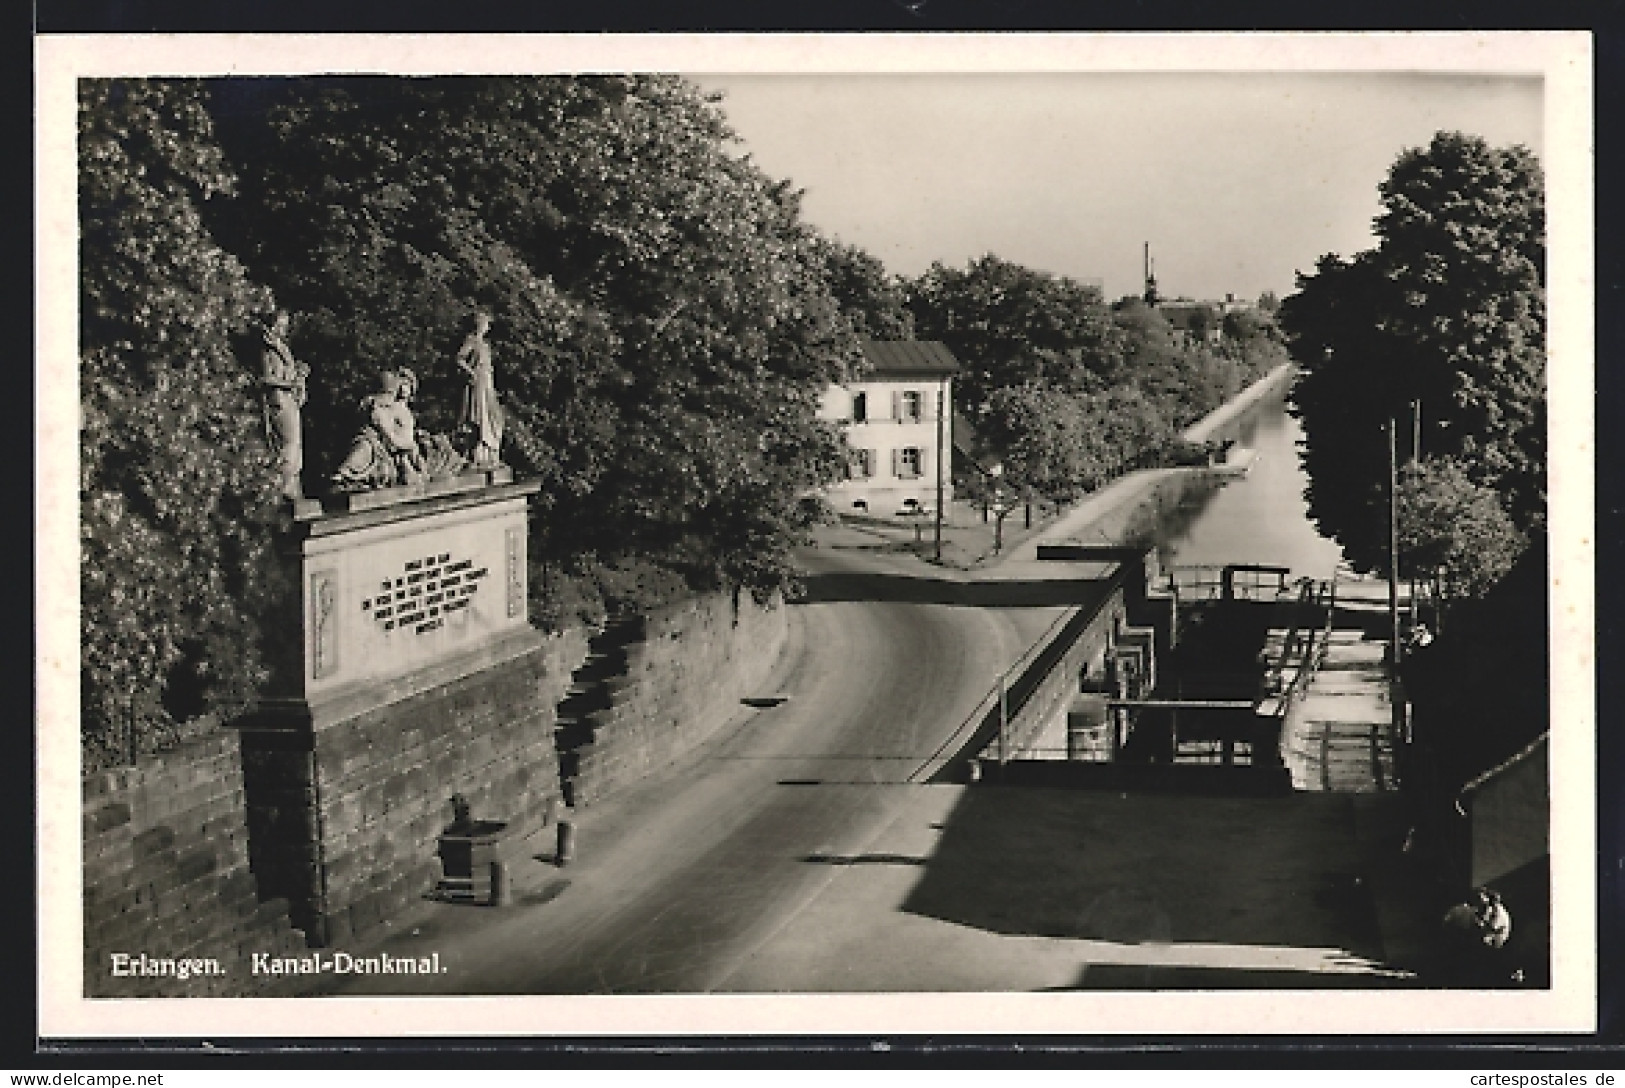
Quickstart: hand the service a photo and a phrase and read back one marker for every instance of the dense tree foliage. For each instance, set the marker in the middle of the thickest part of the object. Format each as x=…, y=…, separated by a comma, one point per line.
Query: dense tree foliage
x=1184, y=374
x=1011, y=326
x=664, y=320
x=872, y=300
x=177, y=489
x=1454, y=534
x=1448, y=310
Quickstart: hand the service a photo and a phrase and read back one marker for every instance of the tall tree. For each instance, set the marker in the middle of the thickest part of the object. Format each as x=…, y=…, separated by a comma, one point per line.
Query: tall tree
x=177, y=489
x=872, y=300
x=663, y=327
x=1010, y=325
x=1447, y=310
x=1037, y=435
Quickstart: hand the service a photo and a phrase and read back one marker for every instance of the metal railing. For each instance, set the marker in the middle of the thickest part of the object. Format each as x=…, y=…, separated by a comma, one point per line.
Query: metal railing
x=998, y=699
x=1305, y=645
x=1238, y=581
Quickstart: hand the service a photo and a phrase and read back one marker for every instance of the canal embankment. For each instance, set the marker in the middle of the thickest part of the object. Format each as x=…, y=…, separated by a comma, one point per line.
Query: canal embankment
x=851, y=877
x=1225, y=421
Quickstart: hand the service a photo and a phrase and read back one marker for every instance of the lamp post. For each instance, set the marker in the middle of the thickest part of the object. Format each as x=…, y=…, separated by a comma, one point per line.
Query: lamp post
x=997, y=472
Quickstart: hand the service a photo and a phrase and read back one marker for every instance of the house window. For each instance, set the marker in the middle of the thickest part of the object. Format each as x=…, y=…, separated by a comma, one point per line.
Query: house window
x=910, y=464
x=860, y=407
x=861, y=464
x=913, y=406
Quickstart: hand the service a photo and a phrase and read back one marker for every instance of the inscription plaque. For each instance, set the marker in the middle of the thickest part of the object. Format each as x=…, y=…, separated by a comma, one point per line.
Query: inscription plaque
x=425, y=594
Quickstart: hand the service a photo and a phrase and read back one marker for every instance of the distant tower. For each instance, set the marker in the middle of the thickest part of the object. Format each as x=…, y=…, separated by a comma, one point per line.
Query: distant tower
x=1151, y=297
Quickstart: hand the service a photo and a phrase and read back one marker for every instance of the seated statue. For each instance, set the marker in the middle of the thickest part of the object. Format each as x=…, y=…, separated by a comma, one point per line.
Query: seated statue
x=390, y=450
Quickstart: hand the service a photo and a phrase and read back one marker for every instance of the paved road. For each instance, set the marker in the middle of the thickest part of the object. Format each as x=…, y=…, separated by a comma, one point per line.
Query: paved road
x=679, y=880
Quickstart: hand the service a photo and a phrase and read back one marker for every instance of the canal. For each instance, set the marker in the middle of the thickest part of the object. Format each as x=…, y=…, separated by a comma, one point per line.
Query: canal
x=1260, y=517
x=1257, y=518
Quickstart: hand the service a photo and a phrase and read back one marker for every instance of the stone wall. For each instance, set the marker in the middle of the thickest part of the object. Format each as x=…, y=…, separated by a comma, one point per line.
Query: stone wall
x=346, y=817
x=1510, y=813
x=286, y=836
x=166, y=874
x=1077, y=651
x=683, y=680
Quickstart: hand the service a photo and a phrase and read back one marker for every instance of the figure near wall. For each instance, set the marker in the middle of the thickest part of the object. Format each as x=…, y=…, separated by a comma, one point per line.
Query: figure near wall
x=481, y=413
x=282, y=382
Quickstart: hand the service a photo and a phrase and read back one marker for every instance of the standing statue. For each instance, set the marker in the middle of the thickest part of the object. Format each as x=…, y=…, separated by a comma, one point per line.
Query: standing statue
x=481, y=414
x=390, y=450
x=282, y=381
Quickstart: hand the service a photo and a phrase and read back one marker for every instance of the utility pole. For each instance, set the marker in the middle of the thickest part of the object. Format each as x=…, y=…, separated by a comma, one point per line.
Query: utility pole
x=942, y=411
x=1416, y=463
x=1393, y=543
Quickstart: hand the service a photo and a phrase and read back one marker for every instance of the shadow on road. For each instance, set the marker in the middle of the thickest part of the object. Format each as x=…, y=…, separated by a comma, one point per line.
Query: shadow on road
x=1196, y=891
x=913, y=589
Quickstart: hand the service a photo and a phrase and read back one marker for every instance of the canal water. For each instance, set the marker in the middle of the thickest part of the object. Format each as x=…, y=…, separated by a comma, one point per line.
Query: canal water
x=1260, y=517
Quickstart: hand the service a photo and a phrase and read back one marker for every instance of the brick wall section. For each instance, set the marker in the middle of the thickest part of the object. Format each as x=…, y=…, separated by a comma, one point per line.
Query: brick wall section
x=346, y=823
x=166, y=873
x=1089, y=636
x=683, y=680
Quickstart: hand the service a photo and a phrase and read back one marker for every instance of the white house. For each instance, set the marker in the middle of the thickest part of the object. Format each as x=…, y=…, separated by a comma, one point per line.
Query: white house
x=898, y=419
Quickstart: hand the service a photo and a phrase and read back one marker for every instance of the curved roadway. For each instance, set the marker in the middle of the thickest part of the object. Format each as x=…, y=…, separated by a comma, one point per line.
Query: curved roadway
x=684, y=875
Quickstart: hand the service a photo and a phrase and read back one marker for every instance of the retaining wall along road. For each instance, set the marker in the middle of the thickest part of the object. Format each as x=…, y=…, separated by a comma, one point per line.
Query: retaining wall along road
x=683, y=679
x=267, y=837
x=166, y=874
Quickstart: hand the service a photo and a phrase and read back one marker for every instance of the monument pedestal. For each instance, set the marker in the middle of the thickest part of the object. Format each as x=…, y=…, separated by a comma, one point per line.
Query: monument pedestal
x=419, y=677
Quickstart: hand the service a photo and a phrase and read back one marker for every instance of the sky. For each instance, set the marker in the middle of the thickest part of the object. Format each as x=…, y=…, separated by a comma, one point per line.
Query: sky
x=1236, y=180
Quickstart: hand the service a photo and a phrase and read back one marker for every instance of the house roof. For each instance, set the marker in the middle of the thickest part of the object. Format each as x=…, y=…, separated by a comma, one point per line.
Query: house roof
x=908, y=358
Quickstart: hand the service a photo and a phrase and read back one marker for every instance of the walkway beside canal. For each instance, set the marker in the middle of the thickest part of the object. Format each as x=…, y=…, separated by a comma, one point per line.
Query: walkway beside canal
x=1339, y=737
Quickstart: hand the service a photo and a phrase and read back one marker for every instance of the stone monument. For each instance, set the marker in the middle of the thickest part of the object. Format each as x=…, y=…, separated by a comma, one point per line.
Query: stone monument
x=418, y=677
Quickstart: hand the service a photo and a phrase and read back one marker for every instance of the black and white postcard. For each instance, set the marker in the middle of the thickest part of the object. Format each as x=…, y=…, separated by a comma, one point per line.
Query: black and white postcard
x=1061, y=534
